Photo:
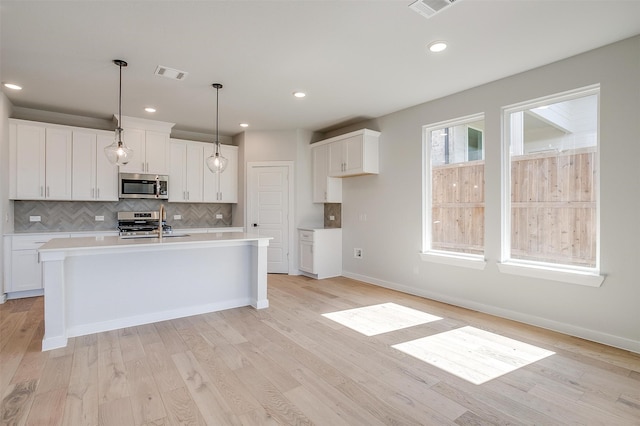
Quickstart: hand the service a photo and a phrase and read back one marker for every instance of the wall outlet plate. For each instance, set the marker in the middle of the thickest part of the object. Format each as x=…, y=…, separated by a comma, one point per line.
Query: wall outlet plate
x=99, y=218
x=177, y=217
x=219, y=216
x=35, y=218
x=332, y=217
x=357, y=253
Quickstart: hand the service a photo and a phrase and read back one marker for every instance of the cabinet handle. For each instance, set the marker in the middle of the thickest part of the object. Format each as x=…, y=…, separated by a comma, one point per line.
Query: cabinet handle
x=147, y=169
x=48, y=192
x=143, y=169
x=98, y=193
x=41, y=191
x=188, y=196
x=93, y=193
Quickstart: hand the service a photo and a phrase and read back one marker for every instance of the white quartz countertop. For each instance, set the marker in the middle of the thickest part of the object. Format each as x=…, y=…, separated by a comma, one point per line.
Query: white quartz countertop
x=101, y=244
x=115, y=232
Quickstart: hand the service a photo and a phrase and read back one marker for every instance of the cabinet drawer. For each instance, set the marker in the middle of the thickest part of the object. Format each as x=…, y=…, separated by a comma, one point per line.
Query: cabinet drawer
x=306, y=235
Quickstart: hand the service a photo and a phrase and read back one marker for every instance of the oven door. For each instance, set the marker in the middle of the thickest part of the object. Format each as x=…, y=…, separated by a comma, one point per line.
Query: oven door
x=136, y=185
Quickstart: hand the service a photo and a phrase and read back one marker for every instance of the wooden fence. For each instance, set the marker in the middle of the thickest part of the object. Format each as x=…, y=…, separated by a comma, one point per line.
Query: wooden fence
x=553, y=207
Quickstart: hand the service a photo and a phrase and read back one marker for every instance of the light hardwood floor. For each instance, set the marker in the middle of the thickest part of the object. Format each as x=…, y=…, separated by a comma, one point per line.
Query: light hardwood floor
x=290, y=365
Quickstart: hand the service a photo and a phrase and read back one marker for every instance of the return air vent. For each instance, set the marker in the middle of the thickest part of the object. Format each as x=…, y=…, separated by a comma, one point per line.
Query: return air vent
x=171, y=73
x=428, y=8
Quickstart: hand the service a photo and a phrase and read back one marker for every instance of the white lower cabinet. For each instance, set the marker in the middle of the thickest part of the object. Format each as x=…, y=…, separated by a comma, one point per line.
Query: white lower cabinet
x=23, y=271
x=320, y=252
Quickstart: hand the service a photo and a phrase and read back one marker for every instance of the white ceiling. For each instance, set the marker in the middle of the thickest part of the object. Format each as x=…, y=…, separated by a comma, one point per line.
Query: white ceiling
x=354, y=59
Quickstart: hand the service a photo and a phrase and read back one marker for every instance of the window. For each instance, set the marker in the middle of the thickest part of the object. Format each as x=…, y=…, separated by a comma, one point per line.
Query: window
x=551, y=187
x=454, y=187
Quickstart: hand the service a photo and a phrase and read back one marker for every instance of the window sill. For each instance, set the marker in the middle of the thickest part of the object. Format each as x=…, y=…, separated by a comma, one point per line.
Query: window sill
x=571, y=276
x=447, y=258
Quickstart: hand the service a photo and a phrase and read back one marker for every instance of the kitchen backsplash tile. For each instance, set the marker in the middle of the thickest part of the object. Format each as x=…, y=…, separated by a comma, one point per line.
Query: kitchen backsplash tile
x=80, y=215
x=333, y=210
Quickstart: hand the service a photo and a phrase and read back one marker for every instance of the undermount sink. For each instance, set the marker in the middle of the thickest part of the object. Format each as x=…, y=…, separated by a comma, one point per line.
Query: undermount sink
x=133, y=237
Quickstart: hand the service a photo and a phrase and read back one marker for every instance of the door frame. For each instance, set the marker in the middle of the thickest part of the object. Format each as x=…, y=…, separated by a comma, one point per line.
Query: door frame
x=291, y=257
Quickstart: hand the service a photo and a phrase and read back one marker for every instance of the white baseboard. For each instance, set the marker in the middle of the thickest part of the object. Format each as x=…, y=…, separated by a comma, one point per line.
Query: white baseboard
x=572, y=330
x=3, y=298
x=98, y=327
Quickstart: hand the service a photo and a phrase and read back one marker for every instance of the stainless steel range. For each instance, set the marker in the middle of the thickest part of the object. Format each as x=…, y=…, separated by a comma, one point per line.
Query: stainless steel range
x=138, y=224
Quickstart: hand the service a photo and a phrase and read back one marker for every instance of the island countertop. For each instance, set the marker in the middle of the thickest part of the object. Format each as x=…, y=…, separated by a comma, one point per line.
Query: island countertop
x=100, y=244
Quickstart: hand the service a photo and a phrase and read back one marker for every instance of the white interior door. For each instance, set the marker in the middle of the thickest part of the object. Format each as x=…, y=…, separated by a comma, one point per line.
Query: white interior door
x=268, y=211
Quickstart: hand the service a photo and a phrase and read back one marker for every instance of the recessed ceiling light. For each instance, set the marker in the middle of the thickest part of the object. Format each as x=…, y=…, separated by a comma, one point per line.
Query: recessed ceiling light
x=150, y=109
x=299, y=94
x=244, y=125
x=12, y=86
x=437, y=46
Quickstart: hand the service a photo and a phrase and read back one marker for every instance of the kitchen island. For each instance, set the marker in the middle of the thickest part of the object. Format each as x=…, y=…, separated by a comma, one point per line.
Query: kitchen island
x=96, y=284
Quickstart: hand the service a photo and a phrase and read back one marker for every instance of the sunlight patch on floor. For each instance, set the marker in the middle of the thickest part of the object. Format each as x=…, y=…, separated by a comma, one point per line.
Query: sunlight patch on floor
x=378, y=319
x=472, y=354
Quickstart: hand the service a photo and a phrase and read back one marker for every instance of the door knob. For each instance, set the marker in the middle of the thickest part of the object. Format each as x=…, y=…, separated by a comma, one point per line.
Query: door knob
x=255, y=225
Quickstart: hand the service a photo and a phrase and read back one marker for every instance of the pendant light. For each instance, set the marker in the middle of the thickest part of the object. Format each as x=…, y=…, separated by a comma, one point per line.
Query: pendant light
x=216, y=162
x=118, y=153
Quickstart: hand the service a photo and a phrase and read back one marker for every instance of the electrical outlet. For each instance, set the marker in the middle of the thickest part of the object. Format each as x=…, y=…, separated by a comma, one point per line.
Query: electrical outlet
x=357, y=253
x=35, y=218
x=99, y=218
x=218, y=216
x=177, y=217
x=332, y=217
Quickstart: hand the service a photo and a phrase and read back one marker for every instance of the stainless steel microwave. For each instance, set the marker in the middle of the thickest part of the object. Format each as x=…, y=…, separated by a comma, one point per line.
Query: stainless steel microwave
x=136, y=185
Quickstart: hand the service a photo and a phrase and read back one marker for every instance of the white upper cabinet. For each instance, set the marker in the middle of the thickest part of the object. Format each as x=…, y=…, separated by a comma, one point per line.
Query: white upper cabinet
x=325, y=189
x=353, y=154
x=185, y=171
x=94, y=177
x=223, y=187
x=40, y=161
x=190, y=180
x=150, y=151
x=149, y=141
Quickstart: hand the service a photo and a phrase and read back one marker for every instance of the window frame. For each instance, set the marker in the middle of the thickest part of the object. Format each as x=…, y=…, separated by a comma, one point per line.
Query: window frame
x=467, y=260
x=589, y=276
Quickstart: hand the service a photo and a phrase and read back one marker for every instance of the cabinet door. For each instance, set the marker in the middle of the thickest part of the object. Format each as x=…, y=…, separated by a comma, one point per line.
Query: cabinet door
x=306, y=257
x=29, y=145
x=336, y=159
x=228, y=185
x=193, y=166
x=352, y=154
x=320, y=159
x=177, y=177
x=156, y=147
x=58, y=167
x=84, y=166
x=106, y=173
x=26, y=272
x=134, y=139
x=325, y=189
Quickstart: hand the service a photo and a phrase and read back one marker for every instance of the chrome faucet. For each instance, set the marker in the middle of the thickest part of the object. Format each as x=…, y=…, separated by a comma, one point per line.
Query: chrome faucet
x=160, y=219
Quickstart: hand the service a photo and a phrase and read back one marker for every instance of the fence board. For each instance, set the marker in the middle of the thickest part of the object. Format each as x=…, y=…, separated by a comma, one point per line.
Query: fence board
x=553, y=207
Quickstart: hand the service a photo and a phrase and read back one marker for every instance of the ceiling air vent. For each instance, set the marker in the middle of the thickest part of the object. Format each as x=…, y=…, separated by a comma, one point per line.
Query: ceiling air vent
x=170, y=73
x=428, y=8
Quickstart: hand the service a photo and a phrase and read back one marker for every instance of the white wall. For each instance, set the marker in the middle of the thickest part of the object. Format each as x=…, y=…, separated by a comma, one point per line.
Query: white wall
x=6, y=206
x=391, y=235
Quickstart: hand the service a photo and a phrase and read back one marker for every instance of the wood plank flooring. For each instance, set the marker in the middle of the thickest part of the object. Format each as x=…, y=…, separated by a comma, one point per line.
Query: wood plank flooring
x=289, y=365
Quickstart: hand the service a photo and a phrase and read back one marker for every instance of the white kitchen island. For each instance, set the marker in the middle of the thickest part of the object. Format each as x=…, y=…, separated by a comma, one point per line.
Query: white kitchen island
x=96, y=284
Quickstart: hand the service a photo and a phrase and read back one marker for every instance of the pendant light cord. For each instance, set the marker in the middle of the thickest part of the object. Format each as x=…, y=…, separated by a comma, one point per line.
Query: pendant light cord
x=120, y=99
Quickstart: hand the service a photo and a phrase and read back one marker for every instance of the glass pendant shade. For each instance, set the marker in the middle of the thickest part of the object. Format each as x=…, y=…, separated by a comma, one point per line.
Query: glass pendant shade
x=216, y=162
x=118, y=153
